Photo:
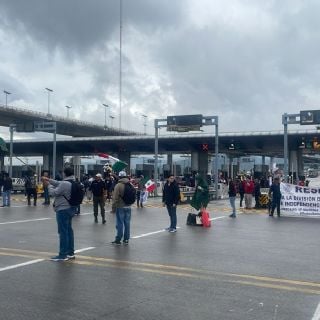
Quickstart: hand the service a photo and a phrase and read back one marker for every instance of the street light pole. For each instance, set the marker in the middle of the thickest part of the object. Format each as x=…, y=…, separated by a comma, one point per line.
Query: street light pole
x=49, y=91
x=111, y=117
x=68, y=108
x=6, y=93
x=105, y=115
x=145, y=123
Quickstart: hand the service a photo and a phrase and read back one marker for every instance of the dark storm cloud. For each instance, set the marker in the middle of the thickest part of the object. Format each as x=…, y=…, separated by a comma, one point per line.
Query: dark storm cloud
x=83, y=24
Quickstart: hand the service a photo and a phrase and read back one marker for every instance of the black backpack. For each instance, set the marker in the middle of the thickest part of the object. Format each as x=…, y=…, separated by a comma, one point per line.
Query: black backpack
x=129, y=195
x=77, y=193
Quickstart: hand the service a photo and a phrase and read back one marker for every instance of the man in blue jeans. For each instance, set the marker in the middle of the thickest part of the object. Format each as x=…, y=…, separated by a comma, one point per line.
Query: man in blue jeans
x=61, y=190
x=122, y=210
x=170, y=199
x=7, y=188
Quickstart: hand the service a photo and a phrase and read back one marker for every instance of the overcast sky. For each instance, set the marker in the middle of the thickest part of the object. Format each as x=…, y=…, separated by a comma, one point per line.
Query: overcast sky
x=246, y=61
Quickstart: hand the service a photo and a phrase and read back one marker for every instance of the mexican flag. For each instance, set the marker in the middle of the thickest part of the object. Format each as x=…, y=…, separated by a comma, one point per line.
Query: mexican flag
x=150, y=185
x=117, y=164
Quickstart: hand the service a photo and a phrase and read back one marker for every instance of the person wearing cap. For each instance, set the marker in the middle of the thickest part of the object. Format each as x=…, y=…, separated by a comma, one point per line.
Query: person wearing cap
x=31, y=189
x=98, y=189
x=123, y=211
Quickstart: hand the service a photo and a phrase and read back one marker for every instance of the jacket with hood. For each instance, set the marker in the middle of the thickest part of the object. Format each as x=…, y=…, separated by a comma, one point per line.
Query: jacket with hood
x=117, y=194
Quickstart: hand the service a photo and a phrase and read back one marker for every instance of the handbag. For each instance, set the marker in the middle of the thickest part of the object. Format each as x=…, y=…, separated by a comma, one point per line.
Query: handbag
x=205, y=218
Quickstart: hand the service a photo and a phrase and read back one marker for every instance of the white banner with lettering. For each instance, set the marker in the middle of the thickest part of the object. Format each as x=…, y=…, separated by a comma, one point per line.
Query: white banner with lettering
x=301, y=201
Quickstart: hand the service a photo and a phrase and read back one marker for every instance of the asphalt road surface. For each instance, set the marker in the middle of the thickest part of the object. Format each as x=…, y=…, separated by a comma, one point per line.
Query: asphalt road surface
x=250, y=267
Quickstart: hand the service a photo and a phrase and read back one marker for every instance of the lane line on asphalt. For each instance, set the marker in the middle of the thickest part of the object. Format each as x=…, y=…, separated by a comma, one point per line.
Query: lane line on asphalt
x=150, y=233
x=163, y=230
x=21, y=264
x=15, y=266
x=316, y=315
x=14, y=207
x=84, y=249
x=23, y=221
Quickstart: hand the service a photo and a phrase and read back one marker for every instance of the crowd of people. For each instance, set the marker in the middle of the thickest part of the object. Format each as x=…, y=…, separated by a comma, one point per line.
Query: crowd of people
x=112, y=188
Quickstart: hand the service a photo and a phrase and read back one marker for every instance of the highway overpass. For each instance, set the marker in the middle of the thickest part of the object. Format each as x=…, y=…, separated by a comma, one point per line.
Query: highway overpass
x=65, y=126
x=265, y=143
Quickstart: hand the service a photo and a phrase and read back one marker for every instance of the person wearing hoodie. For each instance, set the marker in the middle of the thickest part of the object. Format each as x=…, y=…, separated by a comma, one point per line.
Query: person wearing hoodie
x=61, y=190
x=122, y=210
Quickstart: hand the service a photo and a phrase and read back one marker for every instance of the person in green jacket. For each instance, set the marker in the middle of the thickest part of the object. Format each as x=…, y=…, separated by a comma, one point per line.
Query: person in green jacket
x=200, y=198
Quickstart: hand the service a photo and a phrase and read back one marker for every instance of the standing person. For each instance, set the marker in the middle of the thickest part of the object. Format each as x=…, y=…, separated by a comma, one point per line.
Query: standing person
x=276, y=196
x=61, y=190
x=200, y=198
x=6, y=190
x=248, y=192
x=31, y=189
x=45, y=190
x=109, y=186
x=98, y=189
x=241, y=191
x=257, y=193
x=122, y=210
x=170, y=199
x=232, y=197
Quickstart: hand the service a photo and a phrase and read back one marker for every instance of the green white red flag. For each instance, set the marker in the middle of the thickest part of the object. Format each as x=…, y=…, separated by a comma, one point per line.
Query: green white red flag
x=150, y=185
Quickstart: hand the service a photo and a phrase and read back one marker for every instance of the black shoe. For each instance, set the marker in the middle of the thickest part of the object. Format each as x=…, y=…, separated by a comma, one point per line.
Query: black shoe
x=104, y=221
x=270, y=214
x=95, y=220
x=116, y=243
x=125, y=242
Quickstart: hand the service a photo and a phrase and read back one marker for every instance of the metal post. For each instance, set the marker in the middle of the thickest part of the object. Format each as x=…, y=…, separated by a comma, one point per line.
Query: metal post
x=285, y=146
x=120, y=68
x=216, y=171
x=144, y=123
x=6, y=93
x=11, y=128
x=54, y=153
x=49, y=90
x=68, y=108
x=105, y=114
x=156, y=150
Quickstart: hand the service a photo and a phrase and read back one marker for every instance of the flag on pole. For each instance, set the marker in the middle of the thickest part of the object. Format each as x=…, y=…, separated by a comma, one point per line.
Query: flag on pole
x=117, y=164
x=150, y=185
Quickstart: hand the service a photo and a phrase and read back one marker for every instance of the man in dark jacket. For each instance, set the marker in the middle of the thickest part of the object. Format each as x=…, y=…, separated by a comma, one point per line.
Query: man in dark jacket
x=31, y=189
x=98, y=189
x=276, y=196
x=7, y=188
x=257, y=193
x=170, y=199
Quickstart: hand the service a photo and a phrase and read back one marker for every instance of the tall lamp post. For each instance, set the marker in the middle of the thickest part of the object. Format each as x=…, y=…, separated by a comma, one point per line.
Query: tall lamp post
x=68, y=108
x=6, y=93
x=49, y=91
x=105, y=114
x=144, y=123
x=111, y=117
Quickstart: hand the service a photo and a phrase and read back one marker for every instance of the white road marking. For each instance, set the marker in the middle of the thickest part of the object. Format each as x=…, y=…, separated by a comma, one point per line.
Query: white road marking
x=84, y=249
x=22, y=221
x=38, y=260
x=21, y=264
x=316, y=315
x=217, y=218
x=150, y=233
x=14, y=207
x=163, y=230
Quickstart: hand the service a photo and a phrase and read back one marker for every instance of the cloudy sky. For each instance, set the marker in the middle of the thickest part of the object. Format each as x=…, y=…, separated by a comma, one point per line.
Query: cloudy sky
x=246, y=61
